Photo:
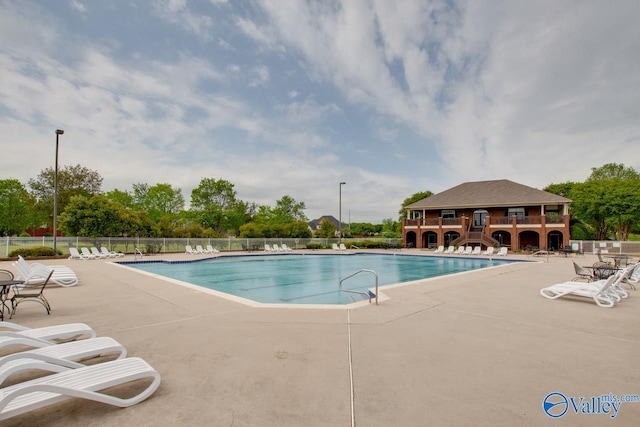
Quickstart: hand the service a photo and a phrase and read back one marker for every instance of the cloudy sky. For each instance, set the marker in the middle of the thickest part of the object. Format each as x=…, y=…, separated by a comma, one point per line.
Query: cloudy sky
x=288, y=97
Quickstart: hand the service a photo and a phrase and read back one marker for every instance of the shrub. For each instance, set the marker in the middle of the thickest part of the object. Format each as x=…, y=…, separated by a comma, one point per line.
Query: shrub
x=37, y=251
x=25, y=234
x=314, y=245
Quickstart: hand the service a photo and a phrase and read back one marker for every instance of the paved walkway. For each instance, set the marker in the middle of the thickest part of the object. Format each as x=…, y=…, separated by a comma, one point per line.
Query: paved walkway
x=480, y=348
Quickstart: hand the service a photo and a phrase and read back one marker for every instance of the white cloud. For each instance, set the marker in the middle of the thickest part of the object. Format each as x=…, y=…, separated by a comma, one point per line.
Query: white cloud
x=77, y=5
x=392, y=98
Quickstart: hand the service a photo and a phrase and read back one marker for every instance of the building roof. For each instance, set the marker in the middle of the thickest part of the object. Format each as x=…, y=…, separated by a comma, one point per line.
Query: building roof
x=314, y=224
x=484, y=194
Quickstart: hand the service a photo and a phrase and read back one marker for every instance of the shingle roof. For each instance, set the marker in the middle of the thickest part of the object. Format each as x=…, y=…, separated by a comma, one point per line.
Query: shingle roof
x=484, y=194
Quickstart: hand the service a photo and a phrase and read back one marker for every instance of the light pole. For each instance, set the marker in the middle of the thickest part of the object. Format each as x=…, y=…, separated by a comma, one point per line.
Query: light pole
x=340, y=213
x=55, y=196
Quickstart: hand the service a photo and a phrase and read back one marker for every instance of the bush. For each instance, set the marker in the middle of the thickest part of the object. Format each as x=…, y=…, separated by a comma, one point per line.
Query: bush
x=314, y=246
x=38, y=251
x=25, y=234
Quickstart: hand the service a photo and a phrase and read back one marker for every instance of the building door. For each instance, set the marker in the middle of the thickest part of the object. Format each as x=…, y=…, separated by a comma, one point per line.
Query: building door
x=479, y=218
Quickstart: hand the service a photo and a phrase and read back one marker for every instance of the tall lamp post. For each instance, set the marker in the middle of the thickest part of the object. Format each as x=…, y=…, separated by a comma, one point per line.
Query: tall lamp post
x=340, y=213
x=55, y=196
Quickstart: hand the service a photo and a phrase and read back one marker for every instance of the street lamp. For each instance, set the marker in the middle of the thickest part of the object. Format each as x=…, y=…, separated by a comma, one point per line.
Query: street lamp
x=55, y=196
x=340, y=213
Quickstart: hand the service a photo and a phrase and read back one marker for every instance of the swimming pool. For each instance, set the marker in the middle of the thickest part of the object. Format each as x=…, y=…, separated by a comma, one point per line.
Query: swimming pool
x=309, y=278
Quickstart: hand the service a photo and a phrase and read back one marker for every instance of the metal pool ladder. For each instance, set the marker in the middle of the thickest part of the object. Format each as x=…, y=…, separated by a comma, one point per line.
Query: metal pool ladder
x=367, y=294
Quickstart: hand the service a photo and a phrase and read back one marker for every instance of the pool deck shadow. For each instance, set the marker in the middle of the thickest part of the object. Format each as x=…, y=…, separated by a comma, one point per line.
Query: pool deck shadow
x=480, y=348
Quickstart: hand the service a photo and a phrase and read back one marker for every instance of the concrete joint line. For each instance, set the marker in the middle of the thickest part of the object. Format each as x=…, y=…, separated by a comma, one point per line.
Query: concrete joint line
x=353, y=419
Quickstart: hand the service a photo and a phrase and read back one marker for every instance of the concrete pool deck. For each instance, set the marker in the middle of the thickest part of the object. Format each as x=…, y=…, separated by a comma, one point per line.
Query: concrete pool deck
x=482, y=348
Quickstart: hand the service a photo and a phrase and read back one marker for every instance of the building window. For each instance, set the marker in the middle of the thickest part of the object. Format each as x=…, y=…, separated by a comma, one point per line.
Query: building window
x=519, y=212
x=448, y=213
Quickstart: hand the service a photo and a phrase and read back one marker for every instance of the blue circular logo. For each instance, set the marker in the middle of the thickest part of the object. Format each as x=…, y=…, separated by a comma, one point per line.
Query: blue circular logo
x=555, y=405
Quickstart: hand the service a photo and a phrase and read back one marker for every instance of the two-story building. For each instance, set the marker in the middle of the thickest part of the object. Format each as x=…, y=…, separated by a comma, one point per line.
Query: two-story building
x=489, y=213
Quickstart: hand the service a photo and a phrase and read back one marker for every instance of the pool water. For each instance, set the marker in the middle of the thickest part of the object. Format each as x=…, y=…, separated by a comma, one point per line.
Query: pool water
x=307, y=279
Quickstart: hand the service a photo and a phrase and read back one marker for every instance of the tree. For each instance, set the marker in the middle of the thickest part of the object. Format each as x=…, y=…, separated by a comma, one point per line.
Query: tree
x=158, y=201
x=17, y=207
x=609, y=201
x=288, y=210
x=214, y=205
x=123, y=197
x=326, y=229
x=100, y=217
x=72, y=181
x=564, y=189
x=390, y=228
x=412, y=199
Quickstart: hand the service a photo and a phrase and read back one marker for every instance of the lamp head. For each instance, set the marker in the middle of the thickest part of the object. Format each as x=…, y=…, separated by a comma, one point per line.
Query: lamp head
x=342, y=183
x=59, y=132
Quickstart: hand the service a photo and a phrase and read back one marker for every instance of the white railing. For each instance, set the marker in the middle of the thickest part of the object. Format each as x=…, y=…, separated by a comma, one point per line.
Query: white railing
x=151, y=246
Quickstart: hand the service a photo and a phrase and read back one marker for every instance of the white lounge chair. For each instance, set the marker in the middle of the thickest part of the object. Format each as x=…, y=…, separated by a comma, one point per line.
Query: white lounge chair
x=342, y=247
x=476, y=251
x=460, y=250
x=468, y=250
x=85, y=251
x=189, y=250
x=97, y=253
x=268, y=248
x=74, y=254
x=335, y=247
x=285, y=248
x=502, y=251
x=450, y=250
x=489, y=251
x=439, y=250
x=36, y=273
x=85, y=382
x=200, y=249
x=42, y=337
x=634, y=276
x=212, y=250
x=603, y=292
x=59, y=358
x=111, y=254
x=276, y=248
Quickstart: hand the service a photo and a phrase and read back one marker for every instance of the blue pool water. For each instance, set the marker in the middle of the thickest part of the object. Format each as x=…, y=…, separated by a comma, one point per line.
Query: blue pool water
x=307, y=279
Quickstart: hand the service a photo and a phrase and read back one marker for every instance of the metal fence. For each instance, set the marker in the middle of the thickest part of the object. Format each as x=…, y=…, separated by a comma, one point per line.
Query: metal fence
x=173, y=245
x=606, y=246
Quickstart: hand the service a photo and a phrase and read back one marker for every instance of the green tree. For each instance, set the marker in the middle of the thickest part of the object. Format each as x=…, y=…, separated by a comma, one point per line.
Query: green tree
x=288, y=210
x=214, y=205
x=326, y=229
x=96, y=217
x=564, y=189
x=412, y=199
x=609, y=201
x=365, y=229
x=158, y=201
x=17, y=207
x=72, y=181
x=390, y=228
x=123, y=197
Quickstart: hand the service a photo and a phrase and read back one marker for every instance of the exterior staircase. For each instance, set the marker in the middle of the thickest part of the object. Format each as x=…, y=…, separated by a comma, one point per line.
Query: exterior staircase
x=475, y=236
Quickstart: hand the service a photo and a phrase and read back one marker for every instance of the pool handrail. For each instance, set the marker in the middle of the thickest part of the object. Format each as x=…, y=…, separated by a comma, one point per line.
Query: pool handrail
x=367, y=294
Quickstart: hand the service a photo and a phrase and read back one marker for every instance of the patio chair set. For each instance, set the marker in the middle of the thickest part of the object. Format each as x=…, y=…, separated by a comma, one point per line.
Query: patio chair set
x=29, y=284
x=93, y=253
x=59, y=352
x=605, y=292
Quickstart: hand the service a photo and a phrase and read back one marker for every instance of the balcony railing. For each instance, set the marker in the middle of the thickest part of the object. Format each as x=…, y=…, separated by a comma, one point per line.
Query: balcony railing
x=491, y=220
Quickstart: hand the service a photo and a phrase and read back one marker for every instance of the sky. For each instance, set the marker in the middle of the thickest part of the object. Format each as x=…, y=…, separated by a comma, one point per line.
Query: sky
x=292, y=97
